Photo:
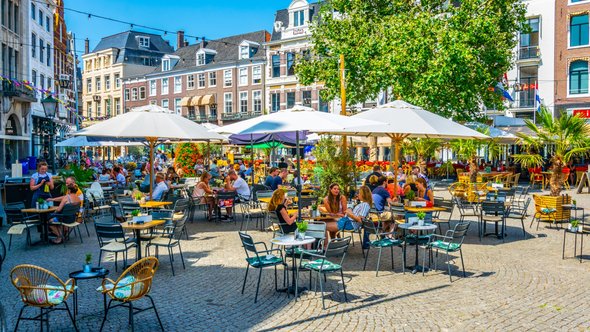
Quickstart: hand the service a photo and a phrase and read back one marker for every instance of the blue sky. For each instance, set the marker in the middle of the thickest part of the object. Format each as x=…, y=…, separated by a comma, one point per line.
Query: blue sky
x=211, y=19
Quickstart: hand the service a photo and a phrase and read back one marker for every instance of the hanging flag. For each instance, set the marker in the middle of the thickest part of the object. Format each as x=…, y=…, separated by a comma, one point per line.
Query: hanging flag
x=537, y=100
x=505, y=94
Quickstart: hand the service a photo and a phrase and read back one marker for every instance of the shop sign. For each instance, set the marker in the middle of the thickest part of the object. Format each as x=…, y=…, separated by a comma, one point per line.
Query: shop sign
x=583, y=113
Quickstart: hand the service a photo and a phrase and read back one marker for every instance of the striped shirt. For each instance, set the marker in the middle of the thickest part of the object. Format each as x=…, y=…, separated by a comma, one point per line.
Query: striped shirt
x=361, y=210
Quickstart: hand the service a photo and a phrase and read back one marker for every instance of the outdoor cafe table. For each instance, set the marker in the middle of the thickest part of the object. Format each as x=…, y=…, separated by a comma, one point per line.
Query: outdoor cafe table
x=137, y=228
x=154, y=204
x=289, y=240
x=415, y=209
x=43, y=218
x=414, y=227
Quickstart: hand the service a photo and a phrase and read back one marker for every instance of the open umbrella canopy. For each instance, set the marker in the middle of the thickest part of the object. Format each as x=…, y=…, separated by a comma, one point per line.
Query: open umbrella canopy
x=79, y=141
x=497, y=134
x=297, y=119
x=288, y=138
x=151, y=121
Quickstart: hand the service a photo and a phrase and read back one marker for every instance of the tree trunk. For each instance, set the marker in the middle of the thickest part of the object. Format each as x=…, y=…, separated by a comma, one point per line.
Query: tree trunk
x=472, y=170
x=556, y=180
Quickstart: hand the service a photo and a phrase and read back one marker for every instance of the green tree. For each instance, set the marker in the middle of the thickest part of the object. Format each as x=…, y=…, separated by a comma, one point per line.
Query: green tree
x=568, y=137
x=443, y=58
x=423, y=148
x=334, y=165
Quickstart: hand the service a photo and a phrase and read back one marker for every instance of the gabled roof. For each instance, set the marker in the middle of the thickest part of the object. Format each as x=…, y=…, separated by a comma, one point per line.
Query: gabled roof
x=283, y=17
x=128, y=40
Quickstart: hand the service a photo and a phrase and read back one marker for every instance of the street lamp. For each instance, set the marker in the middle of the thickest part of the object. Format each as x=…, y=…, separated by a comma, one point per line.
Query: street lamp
x=50, y=108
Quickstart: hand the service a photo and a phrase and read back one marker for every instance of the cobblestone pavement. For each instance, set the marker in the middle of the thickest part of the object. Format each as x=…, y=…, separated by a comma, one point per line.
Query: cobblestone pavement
x=522, y=284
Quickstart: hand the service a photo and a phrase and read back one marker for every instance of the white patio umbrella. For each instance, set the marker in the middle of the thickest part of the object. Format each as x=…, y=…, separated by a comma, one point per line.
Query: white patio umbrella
x=79, y=141
x=151, y=123
x=402, y=120
x=298, y=119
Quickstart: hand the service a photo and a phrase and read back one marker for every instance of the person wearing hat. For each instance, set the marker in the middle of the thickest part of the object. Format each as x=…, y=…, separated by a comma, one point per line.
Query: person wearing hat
x=160, y=188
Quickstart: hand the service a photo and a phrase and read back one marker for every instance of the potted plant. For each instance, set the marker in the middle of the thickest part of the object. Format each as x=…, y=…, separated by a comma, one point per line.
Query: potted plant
x=314, y=209
x=138, y=196
x=87, y=268
x=42, y=204
x=421, y=215
x=411, y=195
x=135, y=213
x=574, y=202
x=574, y=225
x=301, y=229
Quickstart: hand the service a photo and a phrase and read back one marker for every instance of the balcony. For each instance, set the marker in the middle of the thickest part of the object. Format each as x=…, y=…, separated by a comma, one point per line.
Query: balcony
x=19, y=93
x=231, y=116
x=529, y=53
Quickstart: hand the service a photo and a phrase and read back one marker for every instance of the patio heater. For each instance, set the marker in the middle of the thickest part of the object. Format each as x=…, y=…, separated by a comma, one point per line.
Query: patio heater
x=50, y=108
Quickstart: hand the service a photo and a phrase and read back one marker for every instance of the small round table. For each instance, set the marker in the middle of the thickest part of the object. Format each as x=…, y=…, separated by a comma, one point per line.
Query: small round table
x=427, y=227
x=289, y=240
x=95, y=273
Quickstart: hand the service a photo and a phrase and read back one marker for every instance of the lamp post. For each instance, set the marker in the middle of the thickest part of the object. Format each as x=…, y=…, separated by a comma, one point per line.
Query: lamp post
x=50, y=108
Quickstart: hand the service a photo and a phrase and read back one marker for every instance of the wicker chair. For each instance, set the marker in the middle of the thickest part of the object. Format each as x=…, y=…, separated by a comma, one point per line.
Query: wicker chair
x=2, y=253
x=41, y=288
x=133, y=284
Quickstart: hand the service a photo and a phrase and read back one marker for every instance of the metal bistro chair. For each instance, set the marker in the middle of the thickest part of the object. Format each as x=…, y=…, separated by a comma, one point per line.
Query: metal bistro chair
x=449, y=206
x=259, y=259
x=68, y=219
x=495, y=212
x=322, y=266
x=225, y=199
x=41, y=288
x=19, y=222
x=382, y=241
x=518, y=212
x=169, y=241
x=450, y=242
x=133, y=284
x=111, y=238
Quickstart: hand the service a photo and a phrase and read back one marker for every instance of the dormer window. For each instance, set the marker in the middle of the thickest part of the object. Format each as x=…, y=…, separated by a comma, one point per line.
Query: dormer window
x=244, y=52
x=248, y=49
x=143, y=41
x=205, y=56
x=200, y=59
x=166, y=65
x=299, y=18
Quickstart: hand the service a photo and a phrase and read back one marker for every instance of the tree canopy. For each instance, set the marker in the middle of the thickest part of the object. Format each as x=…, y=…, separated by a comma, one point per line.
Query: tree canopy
x=442, y=57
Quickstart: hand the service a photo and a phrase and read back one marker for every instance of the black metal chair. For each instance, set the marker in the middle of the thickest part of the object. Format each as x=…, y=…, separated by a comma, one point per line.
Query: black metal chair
x=320, y=263
x=225, y=199
x=518, y=211
x=19, y=222
x=436, y=216
x=111, y=238
x=493, y=211
x=450, y=242
x=259, y=259
x=2, y=253
x=382, y=240
x=68, y=218
x=169, y=241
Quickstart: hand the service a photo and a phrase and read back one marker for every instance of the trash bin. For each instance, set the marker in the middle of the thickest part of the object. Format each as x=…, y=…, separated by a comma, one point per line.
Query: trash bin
x=25, y=165
x=32, y=163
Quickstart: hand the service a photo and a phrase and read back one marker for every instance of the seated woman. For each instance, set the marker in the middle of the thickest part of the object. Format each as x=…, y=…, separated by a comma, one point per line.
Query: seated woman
x=423, y=193
x=70, y=198
x=353, y=219
x=105, y=176
x=278, y=203
x=334, y=206
x=410, y=185
x=204, y=193
x=171, y=175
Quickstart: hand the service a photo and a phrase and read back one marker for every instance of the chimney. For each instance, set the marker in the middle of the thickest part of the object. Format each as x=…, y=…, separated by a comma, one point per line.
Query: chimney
x=179, y=39
x=86, y=46
x=202, y=44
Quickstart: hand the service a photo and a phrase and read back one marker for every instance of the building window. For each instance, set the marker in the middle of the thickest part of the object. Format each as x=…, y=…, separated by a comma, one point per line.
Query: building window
x=33, y=45
x=290, y=99
x=244, y=102
x=201, y=80
x=48, y=54
x=89, y=85
x=117, y=81
x=290, y=64
x=126, y=94
x=164, y=86
x=228, y=105
x=33, y=10
x=97, y=83
x=98, y=109
x=34, y=77
x=190, y=82
x=166, y=65
x=200, y=59
x=212, y=79
x=323, y=106
x=153, y=90
x=107, y=82
x=244, y=76
x=144, y=41
x=117, y=106
x=177, y=106
x=165, y=103
x=256, y=75
x=49, y=83
x=276, y=65
x=107, y=106
x=306, y=98
x=134, y=94
x=227, y=78
x=579, y=30
x=275, y=99
x=244, y=52
x=578, y=79
x=257, y=101
x=89, y=109
x=40, y=17
x=299, y=18
x=177, y=84
x=41, y=50
x=528, y=77
x=47, y=24
x=142, y=92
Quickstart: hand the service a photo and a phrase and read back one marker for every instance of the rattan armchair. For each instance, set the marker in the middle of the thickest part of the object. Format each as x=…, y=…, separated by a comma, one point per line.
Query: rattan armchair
x=41, y=288
x=133, y=284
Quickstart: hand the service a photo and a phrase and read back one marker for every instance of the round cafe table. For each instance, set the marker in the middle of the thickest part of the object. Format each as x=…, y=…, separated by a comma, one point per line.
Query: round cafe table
x=427, y=227
x=289, y=240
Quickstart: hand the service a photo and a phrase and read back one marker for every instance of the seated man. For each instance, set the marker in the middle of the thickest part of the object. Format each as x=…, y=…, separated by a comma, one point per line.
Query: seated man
x=237, y=184
x=159, y=189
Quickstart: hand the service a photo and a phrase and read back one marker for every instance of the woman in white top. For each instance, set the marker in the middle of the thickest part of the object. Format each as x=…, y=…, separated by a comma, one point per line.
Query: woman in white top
x=204, y=193
x=353, y=219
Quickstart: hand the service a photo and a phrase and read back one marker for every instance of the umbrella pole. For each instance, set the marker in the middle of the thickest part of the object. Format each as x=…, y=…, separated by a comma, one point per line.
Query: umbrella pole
x=152, y=141
x=299, y=184
x=397, y=141
x=252, y=158
x=206, y=166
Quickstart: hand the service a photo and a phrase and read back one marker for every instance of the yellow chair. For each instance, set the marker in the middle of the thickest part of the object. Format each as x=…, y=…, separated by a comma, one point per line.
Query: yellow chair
x=41, y=288
x=133, y=284
x=550, y=209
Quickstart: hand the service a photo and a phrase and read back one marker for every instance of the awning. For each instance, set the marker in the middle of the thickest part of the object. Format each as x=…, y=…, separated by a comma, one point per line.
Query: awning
x=186, y=101
x=202, y=100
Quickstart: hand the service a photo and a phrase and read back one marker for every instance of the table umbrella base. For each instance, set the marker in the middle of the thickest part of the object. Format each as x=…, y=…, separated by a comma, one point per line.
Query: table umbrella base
x=291, y=290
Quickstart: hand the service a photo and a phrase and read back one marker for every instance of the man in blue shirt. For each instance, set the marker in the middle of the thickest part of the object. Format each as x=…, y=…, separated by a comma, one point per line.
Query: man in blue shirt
x=281, y=179
x=159, y=189
x=381, y=199
x=270, y=179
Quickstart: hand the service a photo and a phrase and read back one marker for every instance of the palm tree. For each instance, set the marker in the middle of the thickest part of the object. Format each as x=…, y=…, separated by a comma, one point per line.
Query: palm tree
x=568, y=135
x=467, y=149
x=423, y=148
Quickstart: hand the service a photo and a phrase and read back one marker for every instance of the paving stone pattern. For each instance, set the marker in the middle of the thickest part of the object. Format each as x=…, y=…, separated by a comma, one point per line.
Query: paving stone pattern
x=522, y=284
